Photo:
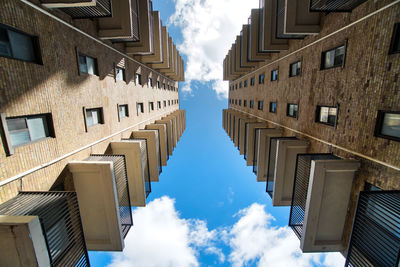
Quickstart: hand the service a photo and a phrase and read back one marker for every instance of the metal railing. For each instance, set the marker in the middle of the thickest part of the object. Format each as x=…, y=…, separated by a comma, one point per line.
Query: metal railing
x=60, y=219
x=375, y=238
x=121, y=181
x=135, y=21
x=246, y=128
x=101, y=9
x=334, y=5
x=280, y=22
x=255, y=154
x=234, y=128
x=300, y=189
x=238, y=137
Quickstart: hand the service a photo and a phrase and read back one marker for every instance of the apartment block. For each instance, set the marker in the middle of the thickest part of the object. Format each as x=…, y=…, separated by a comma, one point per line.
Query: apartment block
x=314, y=107
x=90, y=115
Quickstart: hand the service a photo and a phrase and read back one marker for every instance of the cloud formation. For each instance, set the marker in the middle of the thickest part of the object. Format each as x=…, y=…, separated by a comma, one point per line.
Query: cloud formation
x=209, y=27
x=160, y=237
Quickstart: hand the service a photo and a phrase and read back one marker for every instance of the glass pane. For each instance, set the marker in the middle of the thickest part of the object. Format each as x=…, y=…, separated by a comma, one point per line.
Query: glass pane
x=5, y=48
x=16, y=124
x=91, y=66
x=89, y=118
x=20, y=137
x=22, y=46
x=82, y=64
x=339, y=56
x=95, y=116
x=119, y=74
x=293, y=69
x=391, y=125
x=329, y=59
x=323, y=114
x=122, y=111
x=37, y=128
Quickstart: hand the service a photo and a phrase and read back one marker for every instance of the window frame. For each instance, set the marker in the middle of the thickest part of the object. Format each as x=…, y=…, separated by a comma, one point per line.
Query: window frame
x=150, y=82
x=288, y=108
x=261, y=78
x=252, y=104
x=252, y=81
x=138, y=79
x=240, y=102
x=151, y=106
x=395, y=38
x=101, y=120
x=35, y=45
x=379, y=123
x=322, y=67
x=78, y=53
x=244, y=103
x=127, y=111
x=6, y=134
x=272, y=74
x=271, y=105
x=318, y=113
x=141, y=104
x=123, y=73
x=245, y=83
x=158, y=105
x=301, y=68
x=260, y=107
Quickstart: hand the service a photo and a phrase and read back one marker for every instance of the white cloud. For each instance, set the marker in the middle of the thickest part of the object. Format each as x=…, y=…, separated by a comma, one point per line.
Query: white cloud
x=209, y=27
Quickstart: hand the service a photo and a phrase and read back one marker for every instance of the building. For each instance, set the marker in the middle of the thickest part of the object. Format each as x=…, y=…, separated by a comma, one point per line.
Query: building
x=89, y=105
x=314, y=107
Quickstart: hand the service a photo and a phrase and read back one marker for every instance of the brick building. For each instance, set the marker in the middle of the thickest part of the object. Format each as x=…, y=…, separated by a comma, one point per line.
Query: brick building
x=89, y=104
x=314, y=106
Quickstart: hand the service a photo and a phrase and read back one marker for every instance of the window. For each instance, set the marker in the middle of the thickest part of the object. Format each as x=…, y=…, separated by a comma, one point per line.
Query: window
x=138, y=79
x=163, y=86
x=240, y=102
x=87, y=65
x=240, y=85
x=122, y=111
x=19, y=45
x=261, y=79
x=236, y=86
x=140, y=108
x=151, y=106
x=388, y=125
x=26, y=129
x=326, y=115
x=251, y=103
x=169, y=103
x=158, y=104
x=274, y=75
x=252, y=81
x=333, y=58
x=244, y=103
x=245, y=83
x=165, y=103
x=93, y=116
x=395, y=43
x=158, y=85
x=260, y=105
x=272, y=107
x=235, y=101
x=292, y=110
x=150, y=82
x=295, y=69
x=168, y=87
x=119, y=74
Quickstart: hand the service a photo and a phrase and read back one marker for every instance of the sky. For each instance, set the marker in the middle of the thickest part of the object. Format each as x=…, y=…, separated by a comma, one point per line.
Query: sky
x=208, y=209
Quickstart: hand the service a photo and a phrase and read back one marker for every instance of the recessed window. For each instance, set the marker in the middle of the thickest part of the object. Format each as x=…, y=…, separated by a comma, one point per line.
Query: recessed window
x=87, y=64
x=240, y=85
x=123, y=111
x=395, y=43
x=163, y=86
x=119, y=74
x=388, y=125
x=158, y=104
x=236, y=102
x=150, y=82
x=292, y=110
x=245, y=83
x=165, y=103
x=151, y=106
x=240, y=102
x=326, y=115
x=272, y=107
x=169, y=103
x=158, y=85
x=244, y=103
x=274, y=75
x=333, y=58
x=140, y=108
x=27, y=129
x=295, y=69
x=261, y=79
x=252, y=81
x=260, y=105
x=19, y=45
x=138, y=79
x=236, y=85
x=93, y=116
x=251, y=103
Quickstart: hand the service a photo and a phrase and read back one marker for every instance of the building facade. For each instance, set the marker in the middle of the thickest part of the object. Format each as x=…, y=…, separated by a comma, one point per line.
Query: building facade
x=314, y=106
x=89, y=104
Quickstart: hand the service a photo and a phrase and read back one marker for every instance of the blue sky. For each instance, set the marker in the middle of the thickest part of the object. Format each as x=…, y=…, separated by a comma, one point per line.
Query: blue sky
x=208, y=209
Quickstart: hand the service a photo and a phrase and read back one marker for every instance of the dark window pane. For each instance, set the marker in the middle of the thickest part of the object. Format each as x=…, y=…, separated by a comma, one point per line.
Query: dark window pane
x=391, y=125
x=82, y=64
x=16, y=124
x=5, y=48
x=22, y=46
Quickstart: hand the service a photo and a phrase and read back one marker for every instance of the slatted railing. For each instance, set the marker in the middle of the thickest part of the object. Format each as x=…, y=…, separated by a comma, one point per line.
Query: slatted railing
x=334, y=5
x=101, y=9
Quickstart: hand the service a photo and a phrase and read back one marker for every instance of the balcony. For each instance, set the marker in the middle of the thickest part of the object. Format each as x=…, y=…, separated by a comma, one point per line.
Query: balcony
x=281, y=166
x=249, y=139
x=236, y=134
x=137, y=167
x=294, y=19
x=334, y=5
x=101, y=184
x=242, y=134
x=262, y=147
x=167, y=52
x=268, y=40
x=174, y=129
x=180, y=121
x=241, y=42
x=254, y=50
x=170, y=135
x=172, y=60
x=162, y=134
x=236, y=57
x=153, y=151
x=145, y=45
x=232, y=69
x=375, y=238
x=321, y=194
x=157, y=57
x=46, y=227
x=123, y=25
x=224, y=119
x=101, y=8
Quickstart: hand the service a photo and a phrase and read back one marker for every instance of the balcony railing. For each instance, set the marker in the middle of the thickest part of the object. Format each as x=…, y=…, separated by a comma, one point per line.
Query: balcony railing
x=135, y=20
x=246, y=127
x=121, y=181
x=280, y=22
x=101, y=9
x=60, y=219
x=238, y=137
x=255, y=156
x=300, y=189
x=375, y=238
x=334, y=5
